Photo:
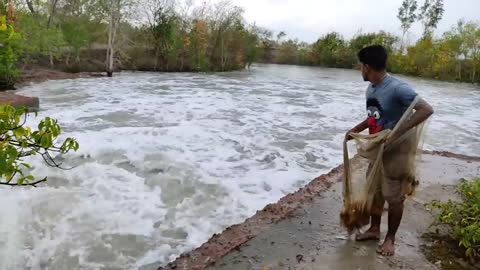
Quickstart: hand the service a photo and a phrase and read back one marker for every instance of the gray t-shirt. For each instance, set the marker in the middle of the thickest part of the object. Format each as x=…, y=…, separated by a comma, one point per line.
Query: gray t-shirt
x=386, y=103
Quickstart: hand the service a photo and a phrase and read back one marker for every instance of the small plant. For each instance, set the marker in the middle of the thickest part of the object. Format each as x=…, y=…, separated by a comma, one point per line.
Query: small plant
x=18, y=142
x=462, y=218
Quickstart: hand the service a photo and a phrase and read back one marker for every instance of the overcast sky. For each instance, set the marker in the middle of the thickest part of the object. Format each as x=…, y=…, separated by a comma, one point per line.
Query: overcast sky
x=309, y=19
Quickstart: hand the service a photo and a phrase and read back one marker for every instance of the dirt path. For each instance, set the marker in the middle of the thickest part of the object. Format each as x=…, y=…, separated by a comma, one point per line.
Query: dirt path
x=305, y=234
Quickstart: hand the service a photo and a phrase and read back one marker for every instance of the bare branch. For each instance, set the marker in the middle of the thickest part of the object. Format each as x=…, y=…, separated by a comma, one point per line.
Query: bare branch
x=34, y=184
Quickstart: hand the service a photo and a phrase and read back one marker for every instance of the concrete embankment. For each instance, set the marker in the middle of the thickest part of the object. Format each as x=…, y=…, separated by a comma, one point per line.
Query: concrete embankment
x=302, y=231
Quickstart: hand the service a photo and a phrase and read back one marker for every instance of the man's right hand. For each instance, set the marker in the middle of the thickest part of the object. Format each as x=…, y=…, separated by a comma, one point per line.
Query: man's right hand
x=349, y=137
x=357, y=129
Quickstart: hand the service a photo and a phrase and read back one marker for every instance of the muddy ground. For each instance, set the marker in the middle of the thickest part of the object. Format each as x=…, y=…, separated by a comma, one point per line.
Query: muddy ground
x=302, y=230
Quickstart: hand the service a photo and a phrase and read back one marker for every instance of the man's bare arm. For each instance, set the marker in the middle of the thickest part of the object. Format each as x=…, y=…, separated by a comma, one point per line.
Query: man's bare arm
x=358, y=128
x=423, y=111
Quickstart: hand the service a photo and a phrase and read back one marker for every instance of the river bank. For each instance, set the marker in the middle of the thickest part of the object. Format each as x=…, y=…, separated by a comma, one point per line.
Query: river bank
x=43, y=74
x=28, y=77
x=302, y=231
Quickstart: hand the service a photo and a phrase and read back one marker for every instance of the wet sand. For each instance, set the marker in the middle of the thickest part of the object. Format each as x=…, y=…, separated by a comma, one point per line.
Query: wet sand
x=302, y=230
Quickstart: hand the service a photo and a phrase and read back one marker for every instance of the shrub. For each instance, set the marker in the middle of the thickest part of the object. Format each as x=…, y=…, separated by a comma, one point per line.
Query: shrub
x=463, y=217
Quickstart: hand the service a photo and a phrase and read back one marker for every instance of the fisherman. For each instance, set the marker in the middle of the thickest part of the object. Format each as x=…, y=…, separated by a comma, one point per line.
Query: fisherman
x=387, y=99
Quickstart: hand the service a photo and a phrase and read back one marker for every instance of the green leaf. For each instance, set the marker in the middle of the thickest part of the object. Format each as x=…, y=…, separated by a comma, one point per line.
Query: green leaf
x=26, y=165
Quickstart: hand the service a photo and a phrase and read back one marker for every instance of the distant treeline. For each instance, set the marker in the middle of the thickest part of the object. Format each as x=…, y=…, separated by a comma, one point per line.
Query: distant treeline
x=107, y=35
x=453, y=56
x=175, y=35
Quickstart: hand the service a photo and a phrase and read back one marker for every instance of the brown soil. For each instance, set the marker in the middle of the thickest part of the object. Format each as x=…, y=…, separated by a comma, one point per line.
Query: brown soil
x=445, y=253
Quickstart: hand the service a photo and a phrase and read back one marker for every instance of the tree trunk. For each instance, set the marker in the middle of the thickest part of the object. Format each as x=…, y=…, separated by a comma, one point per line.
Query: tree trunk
x=52, y=13
x=50, y=16
x=222, y=53
x=67, y=59
x=474, y=71
x=50, y=55
x=157, y=52
x=30, y=6
x=111, y=39
x=460, y=70
x=181, y=60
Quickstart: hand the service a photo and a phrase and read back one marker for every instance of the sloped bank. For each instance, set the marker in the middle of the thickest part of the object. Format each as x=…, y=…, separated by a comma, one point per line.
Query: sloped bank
x=9, y=98
x=301, y=230
x=36, y=76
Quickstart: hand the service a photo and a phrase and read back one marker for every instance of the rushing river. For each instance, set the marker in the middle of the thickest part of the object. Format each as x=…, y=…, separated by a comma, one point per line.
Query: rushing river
x=167, y=160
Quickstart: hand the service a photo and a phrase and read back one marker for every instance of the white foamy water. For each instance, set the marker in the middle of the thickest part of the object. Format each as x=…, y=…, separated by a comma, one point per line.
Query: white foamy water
x=167, y=160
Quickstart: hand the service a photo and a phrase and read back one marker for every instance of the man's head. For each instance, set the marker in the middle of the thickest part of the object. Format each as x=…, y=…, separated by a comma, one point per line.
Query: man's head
x=373, y=61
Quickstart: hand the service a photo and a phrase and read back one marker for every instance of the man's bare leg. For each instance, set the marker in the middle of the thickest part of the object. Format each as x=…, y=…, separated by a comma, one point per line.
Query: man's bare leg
x=395, y=212
x=373, y=233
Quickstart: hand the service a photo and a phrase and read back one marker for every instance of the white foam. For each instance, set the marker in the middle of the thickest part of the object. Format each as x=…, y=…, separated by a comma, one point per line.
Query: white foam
x=166, y=160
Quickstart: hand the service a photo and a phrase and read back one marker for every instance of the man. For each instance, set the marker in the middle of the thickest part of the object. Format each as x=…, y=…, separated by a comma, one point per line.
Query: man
x=387, y=100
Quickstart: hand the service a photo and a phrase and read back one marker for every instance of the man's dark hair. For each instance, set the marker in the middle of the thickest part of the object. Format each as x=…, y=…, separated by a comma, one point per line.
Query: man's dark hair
x=374, y=56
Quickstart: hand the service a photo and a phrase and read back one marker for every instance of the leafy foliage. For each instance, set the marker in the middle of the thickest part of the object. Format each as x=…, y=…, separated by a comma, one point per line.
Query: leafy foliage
x=37, y=39
x=174, y=35
x=9, y=53
x=18, y=141
x=463, y=218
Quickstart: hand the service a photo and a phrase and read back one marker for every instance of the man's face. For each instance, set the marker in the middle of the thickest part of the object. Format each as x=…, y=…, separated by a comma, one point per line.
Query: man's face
x=365, y=70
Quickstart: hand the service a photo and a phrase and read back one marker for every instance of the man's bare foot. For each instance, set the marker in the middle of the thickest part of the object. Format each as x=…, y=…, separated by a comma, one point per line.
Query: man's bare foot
x=370, y=234
x=387, y=248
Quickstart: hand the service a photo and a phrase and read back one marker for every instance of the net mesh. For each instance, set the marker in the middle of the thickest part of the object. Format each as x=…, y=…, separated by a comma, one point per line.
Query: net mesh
x=374, y=164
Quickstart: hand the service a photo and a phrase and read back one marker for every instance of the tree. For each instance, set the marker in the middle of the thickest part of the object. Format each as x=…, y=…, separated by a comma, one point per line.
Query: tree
x=280, y=36
x=113, y=11
x=251, y=46
x=288, y=52
x=431, y=14
x=80, y=25
x=267, y=45
x=162, y=25
x=198, y=41
x=76, y=35
x=10, y=44
x=225, y=16
x=454, y=40
x=407, y=15
x=381, y=38
x=20, y=142
x=31, y=7
x=326, y=48
x=470, y=32
x=38, y=40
